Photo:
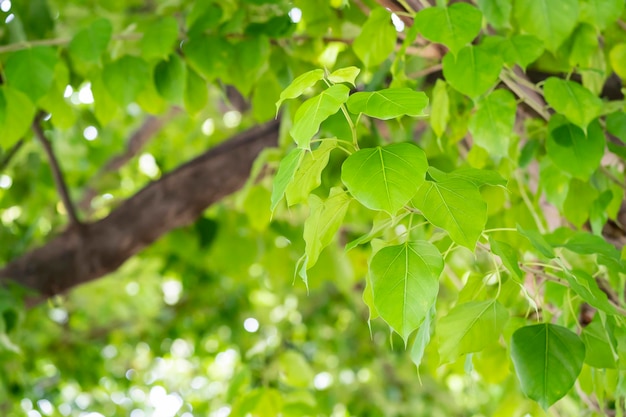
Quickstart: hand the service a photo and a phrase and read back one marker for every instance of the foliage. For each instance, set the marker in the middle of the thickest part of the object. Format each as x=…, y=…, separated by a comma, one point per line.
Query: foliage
x=459, y=178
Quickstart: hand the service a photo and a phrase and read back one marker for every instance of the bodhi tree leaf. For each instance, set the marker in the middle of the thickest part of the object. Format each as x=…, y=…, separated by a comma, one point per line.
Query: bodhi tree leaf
x=385, y=178
x=492, y=123
x=16, y=115
x=479, y=177
x=598, y=350
x=286, y=171
x=170, y=78
x=344, y=75
x=547, y=359
x=508, y=255
x=522, y=50
x=600, y=13
x=405, y=283
x=31, y=70
x=587, y=288
x=196, y=93
x=314, y=111
x=160, y=37
x=377, y=38
x=538, y=241
x=618, y=59
x=89, y=43
x=299, y=86
x=454, y=204
x=497, y=12
x=389, y=103
x=470, y=327
x=550, y=21
x=473, y=71
x=573, y=151
x=422, y=338
x=454, y=26
x=572, y=100
x=440, y=108
x=125, y=78
x=309, y=173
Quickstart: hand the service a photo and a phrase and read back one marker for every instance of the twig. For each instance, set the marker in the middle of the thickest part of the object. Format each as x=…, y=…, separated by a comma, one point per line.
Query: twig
x=61, y=41
x=56, y=172
x=529, y=96
x=10, y=154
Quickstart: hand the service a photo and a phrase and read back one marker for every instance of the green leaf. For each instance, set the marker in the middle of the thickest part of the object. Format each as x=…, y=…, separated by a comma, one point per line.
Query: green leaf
x=300, y=85
x=473, y=71
x=344, y=75
x=31, y=70
x=309, y=174
x=547, y=359
x=538, y=241
x=422, y=338
x=196, y=92
x=251, y=56
x=470, y=327
x=550, y=21
x=492, y=124
x=295, y=370
x=572, y=100
x=440, y=108
x=89, y=43
x=170, y=79
x=479, y=177
x=617, y=57
x=377, y=38
x=405, y=283
x=314, y=111
x=579, y=201
x=572, y=151
x=325, y=219
x=454, y=26
x=601, y=13
x=497, y=12
x=389, y=103
x=160, y=37
x=587, y=288
x=616, y=125
x=125, y=78
x=208, y=55
x=385, y=178
x=368, y=299
x=18, y=113
x=455, y=205
x=509, y=258
x=285, y=174
x=381, y=223
x=599, y=352
x=522, y=50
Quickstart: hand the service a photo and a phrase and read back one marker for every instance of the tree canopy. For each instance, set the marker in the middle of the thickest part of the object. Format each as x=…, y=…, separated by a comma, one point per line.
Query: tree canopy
x=312, y=208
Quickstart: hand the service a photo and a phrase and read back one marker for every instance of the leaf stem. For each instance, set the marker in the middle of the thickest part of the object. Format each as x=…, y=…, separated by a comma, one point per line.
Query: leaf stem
x=355, y=141
x=529, y=204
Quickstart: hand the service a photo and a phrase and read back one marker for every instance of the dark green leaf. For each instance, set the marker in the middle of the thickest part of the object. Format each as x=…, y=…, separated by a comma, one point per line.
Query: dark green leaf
x=31, y=70
x=170, y=79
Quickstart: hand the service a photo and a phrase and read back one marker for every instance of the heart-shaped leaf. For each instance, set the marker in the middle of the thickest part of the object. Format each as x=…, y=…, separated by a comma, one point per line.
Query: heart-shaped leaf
x=389, y=103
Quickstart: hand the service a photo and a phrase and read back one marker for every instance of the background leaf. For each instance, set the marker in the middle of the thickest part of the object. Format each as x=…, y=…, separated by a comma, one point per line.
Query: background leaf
x=572, y=100
x=454, y=26
x=550, y=21
x=376, y=40
x=473, y=71
x=31, y=71
x=89, y=43
x=388, y=103
x=492, y=123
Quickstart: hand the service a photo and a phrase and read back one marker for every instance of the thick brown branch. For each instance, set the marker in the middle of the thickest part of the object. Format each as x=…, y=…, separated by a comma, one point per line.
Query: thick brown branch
x=56, y=173
x=177, y=199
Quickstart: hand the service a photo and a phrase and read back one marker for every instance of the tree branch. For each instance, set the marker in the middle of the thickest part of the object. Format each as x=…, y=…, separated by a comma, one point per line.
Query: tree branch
x=175, y=200
x=10, y=154
x=56, y=173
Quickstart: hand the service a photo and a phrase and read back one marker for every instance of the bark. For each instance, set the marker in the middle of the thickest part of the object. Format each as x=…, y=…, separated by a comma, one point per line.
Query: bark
x=82, y=254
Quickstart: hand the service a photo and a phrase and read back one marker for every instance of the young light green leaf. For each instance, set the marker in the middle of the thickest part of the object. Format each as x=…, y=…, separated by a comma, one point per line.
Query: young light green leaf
x=587, y=288
x=125, y=78
x=344, y=75
x=209, y=55
x=389, y=103
x=600, y=13
x=538, y=241
x=497, y=12
x=170, y=79
x=314, y=111
x=470, y=327
x=299, y=86
x=479, y=177
x=550, y=21
x=381, y=222
x=617, y=57
x=285, y=174
x=440, y=108
x=473, y=71
x=160, y=37
x=573, y=151
x=572, y=100
x=422, y=338
x=405, y=283
x=323, y=222
x=377, y=38
x=18, y=113
x=492, y=124
x=368, y=299
x=508, y=255
x=309, y=174
x=89, y=43
x=385, y=178
x=31, y=70
x=454, y=26
x=455, y=205
x=547, y=359
x=522, y=50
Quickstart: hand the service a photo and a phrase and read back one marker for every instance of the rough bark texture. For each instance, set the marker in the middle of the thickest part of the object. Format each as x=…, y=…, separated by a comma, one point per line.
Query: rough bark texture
x=82, y=254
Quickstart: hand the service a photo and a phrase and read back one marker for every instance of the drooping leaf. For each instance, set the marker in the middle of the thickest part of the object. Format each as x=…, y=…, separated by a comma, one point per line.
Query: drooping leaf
x=547, y=359
x=572, y=100
x=344, y=75
x=385, y=178
x=550, y=21
x=492, y=124
x=377, y=38
x=125, y=78
x=89, y=43
x=479, y=177
x=405, y=283
x=298, y=86
x=170, y=79
x=470, y=327
x=422, y=338
x=601, y=13
x=31, y=70
x=285, y=174
x=196, y=92
x=208, y=55
x=18, y=113
x=160, y=37
x=295, y=370
x=508, y=255
x=473, y=71
x=538, y=241
x=587, y=288
x=455, y=205
x=454, y=26
x=598, y=350
x=251, y=56
x=368, y=299
x=308, y=176
x=440, y=108
x=314, y=111
x=389, y=103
